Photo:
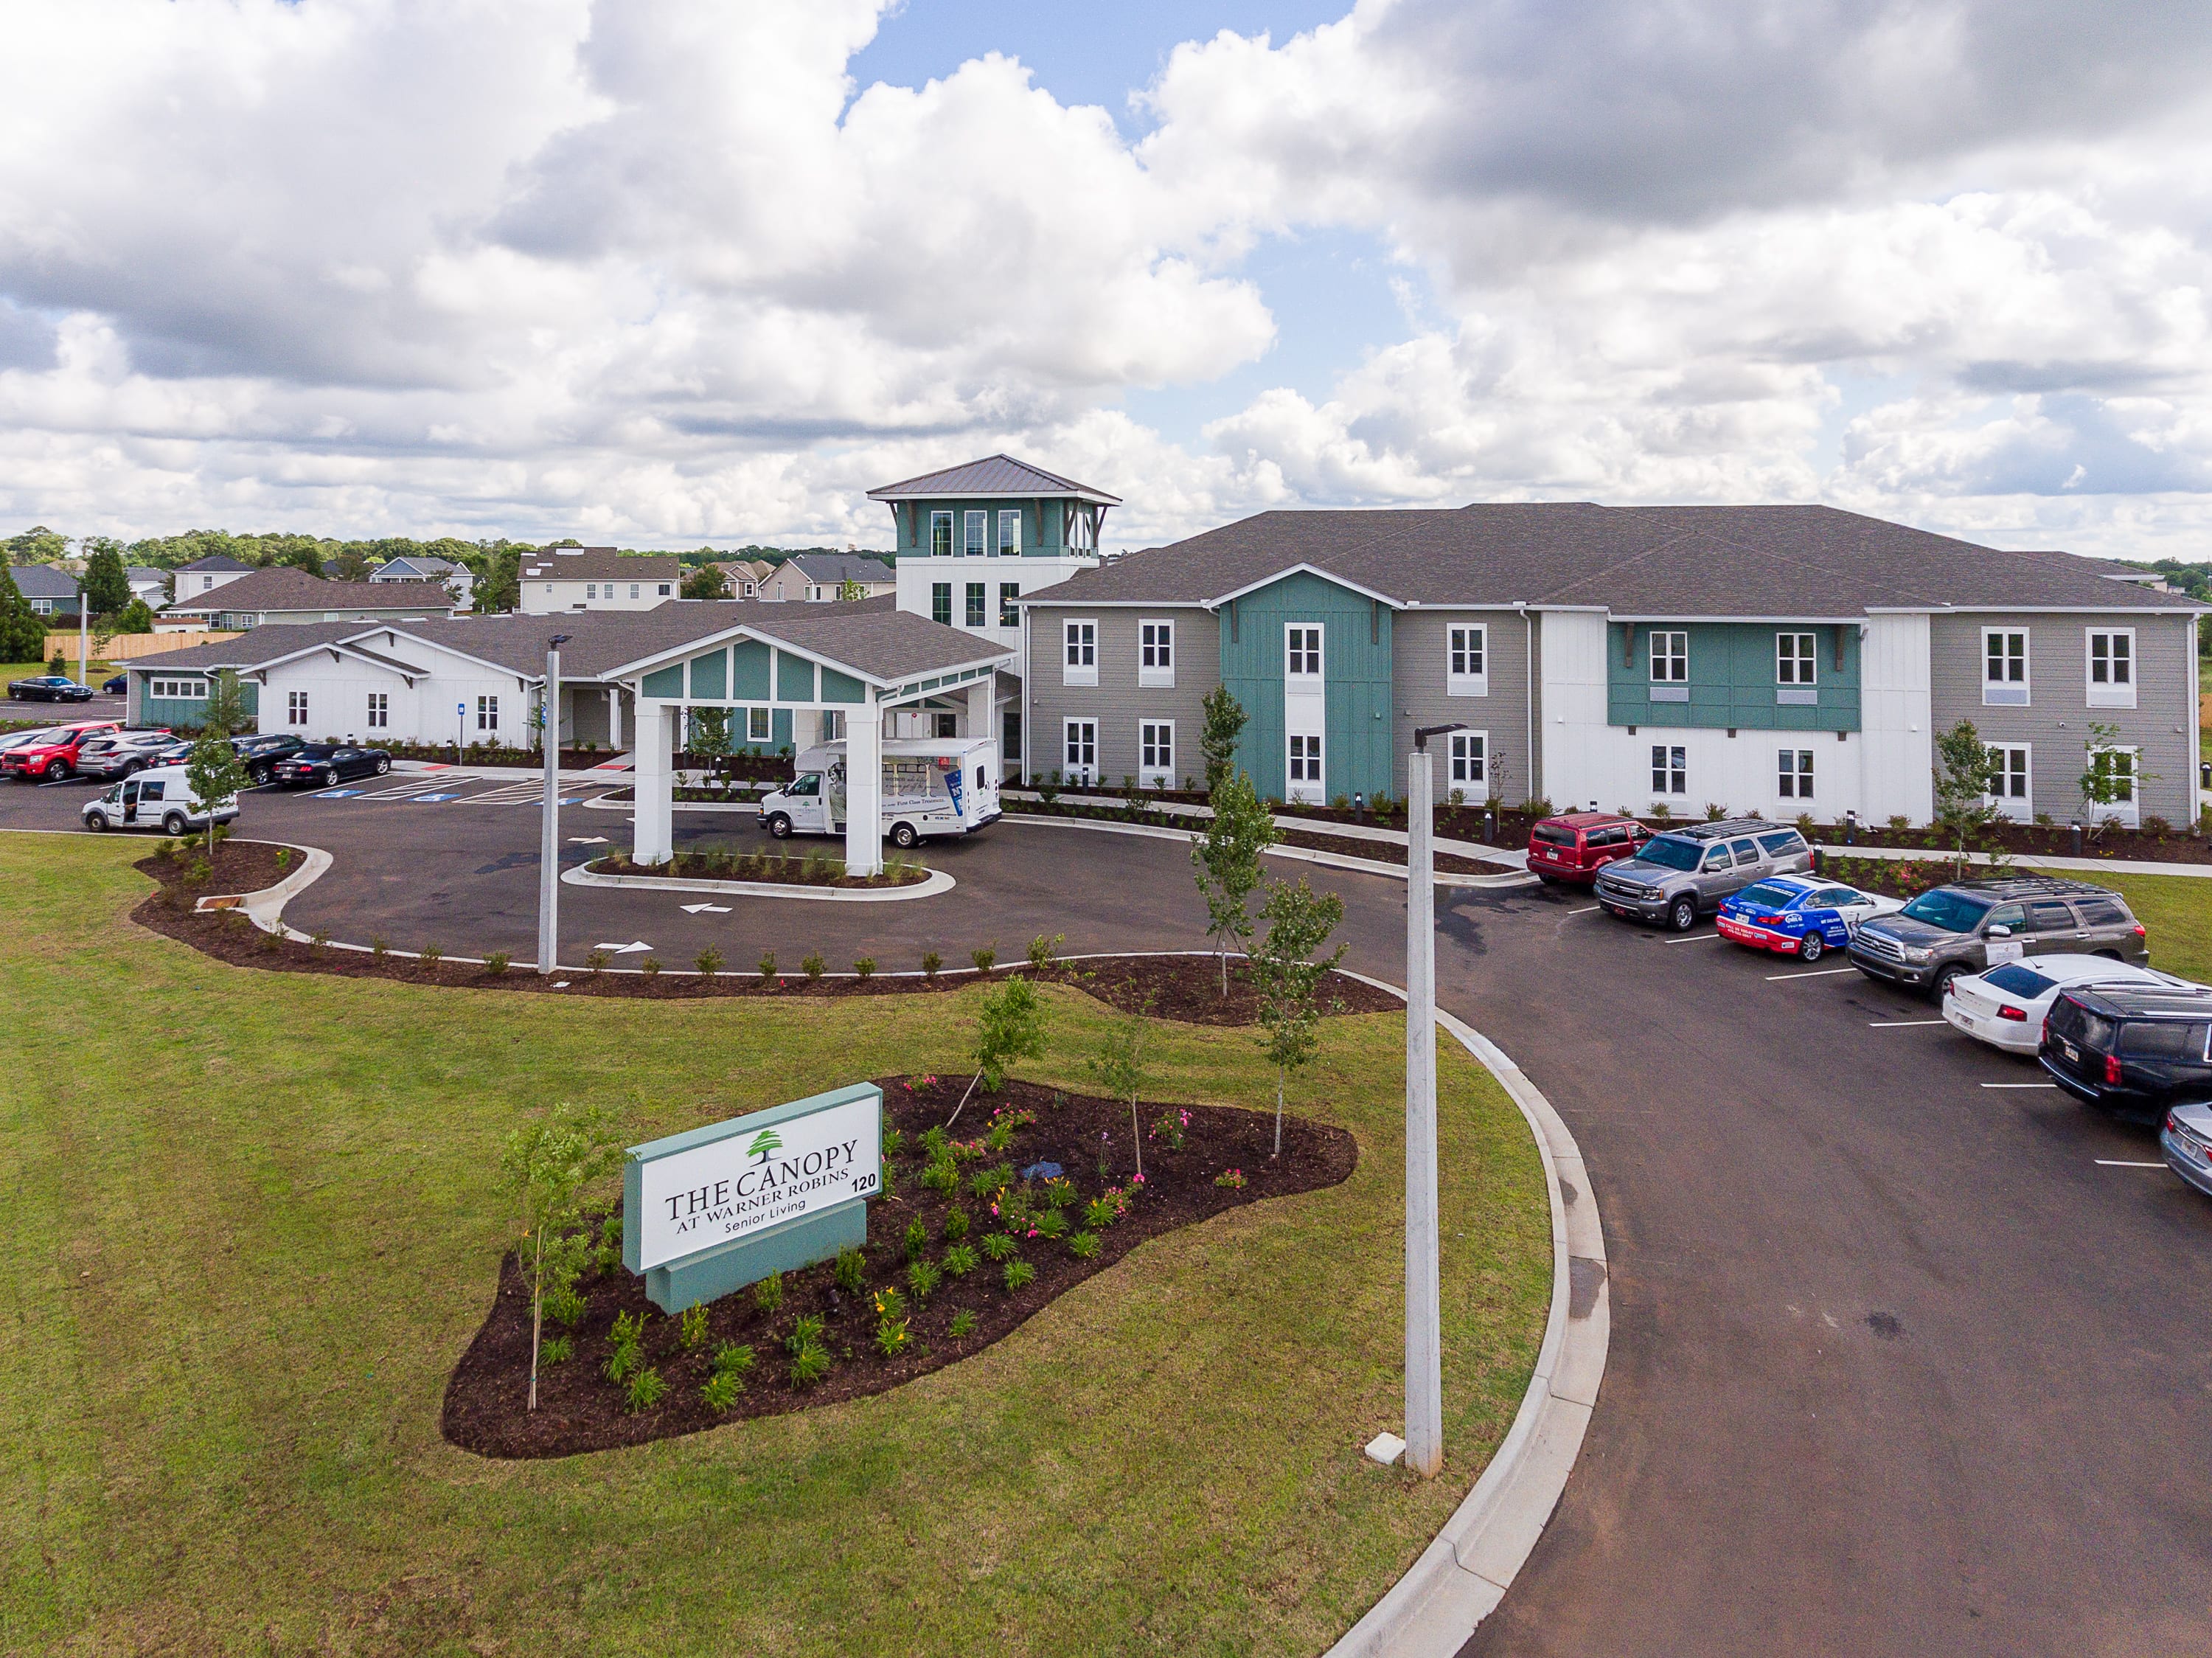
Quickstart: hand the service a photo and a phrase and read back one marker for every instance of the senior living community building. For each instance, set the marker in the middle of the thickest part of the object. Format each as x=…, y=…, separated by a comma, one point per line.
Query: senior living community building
x=1769, y=659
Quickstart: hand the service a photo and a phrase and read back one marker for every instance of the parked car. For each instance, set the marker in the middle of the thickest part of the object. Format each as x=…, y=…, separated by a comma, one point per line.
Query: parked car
x=261, y=753
x=26, y=739
x=1972, y=924
x=2006, y=1006
x=2138, y=1050
x=1800, y=915
x=162, y=798
x=1685, y=873
x=1574, y=846
x=117, y=687
x=2186, y=1141
x=49, y=688
x=318, y=765
x=55, y=759
x=122, y=753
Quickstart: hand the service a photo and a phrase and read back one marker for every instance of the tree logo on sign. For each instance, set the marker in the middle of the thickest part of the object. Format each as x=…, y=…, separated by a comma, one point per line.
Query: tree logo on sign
x=765, y=1144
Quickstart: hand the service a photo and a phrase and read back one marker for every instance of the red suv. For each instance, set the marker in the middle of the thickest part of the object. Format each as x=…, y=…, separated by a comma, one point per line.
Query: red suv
x=56, y=758
x=1577, y=846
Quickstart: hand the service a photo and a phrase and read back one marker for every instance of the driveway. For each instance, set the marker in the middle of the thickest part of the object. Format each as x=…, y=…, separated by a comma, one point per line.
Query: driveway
x=1909, y=1354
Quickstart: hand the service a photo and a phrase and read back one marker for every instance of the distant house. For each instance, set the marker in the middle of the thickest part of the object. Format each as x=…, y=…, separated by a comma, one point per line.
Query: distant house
x=819, y=578
x=51, y=592
x=456, y=579
x=596, y=578
x=148, y=583
x=282, y=594
x=743, y=576
x=202, y=577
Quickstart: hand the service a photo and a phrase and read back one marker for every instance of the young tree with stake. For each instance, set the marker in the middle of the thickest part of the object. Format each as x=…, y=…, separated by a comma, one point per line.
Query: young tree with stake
x=1299, y=922
x=1964, y=780
x=215, y=775
x=1224, y=724
x=1119, y=1065
x=1226, y=859
x=544, y=1172
x=1010, y=1026
x=2108, y=777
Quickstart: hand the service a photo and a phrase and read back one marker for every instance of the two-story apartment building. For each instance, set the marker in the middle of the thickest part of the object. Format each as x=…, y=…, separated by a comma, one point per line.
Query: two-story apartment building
x=1768, y=659
x=561, y=579
x=823, y=578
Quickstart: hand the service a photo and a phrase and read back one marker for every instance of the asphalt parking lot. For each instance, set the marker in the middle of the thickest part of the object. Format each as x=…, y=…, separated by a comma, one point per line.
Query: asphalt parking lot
x=1910, y=1353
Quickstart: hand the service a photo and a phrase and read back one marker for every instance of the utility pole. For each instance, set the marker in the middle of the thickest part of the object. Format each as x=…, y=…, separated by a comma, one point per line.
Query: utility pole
x=1424, y=1385
x=549, y=843
x=83, y=633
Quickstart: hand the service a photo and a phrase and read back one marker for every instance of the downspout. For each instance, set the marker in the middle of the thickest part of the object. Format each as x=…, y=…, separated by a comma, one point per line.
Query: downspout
x=1528, y=691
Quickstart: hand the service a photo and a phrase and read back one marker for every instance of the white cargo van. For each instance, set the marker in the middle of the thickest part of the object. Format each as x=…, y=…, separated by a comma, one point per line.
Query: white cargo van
x=160, y=797
x=944, y=786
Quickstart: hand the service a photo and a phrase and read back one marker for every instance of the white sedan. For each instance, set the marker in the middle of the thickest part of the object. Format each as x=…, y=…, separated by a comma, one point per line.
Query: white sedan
x=2004, y=1005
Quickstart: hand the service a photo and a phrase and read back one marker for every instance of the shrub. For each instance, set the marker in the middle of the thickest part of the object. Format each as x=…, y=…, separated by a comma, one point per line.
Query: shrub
x=922, y=1279
x=935, y=1142
x=865, y=968
x=692, y=1324
x=1083, y=1246
x=1100, y=1213
x=768, y=966
x=917, y=1239
x=999, y=1246
x=1660, y=812
x=984, y=957
x=734, y=1358
x=431, y=954
x=377, y=947
x=2156, y=826
x=497, y=963
x=1018, y=1275
x=1898, y=823
x=1053, y=1223
x=767, y=1294
x=941, y=1177
x=998, y=1137
x=1060, y=1191
x=894, y=1143
x=960, y=1260
x=556, y=1349
x=644, y=1390
x=720, y=1392
x=930, y=964
x=809, y=1364
x=565, y=1306
x=806, y=1331
x=708, y=962
x=852, y=1270
x=1042, y=949
x=650, y=967
x=811, y=966
x=956, y=1225
x=1715, y=811
x=892, y=1338
x=597, y=961
x=625, y=1359
x=963, y=1326
x=1231, y=1177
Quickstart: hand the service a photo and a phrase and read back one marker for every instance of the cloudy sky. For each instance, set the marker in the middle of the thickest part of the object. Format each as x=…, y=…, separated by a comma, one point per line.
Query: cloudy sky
x=664, y=271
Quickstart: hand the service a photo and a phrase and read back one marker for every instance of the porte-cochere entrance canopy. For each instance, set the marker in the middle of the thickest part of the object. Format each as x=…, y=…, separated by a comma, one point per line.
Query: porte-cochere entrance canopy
x=853, y=664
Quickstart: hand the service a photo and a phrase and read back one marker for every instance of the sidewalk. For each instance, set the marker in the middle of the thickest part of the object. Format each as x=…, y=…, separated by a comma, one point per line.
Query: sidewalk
x=1510, y=857
x=1937, y=854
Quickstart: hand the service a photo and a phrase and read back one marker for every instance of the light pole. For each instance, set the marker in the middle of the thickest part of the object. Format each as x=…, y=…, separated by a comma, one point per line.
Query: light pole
x=83, y=632
x=549, y=843
x=1424, y=1385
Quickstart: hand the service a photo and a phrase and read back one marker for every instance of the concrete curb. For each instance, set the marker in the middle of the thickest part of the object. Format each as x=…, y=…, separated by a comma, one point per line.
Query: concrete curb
x=1288, y=819
x=1299, y=854
x=1459, y=1578
x=939, y=881
x=2094, y=865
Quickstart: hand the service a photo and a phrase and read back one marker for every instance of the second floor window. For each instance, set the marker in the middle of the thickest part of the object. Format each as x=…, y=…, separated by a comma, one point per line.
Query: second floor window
x=1080, y=642
x=1155, y=653
x=2004, y=666
x=1793, y=658
x=940, y=535
x=1467, y=670
x=1010, y=611
x=2112, y=668
x=940, y=603
x=1303, y=652
x=1670, y=659
x=977, y=609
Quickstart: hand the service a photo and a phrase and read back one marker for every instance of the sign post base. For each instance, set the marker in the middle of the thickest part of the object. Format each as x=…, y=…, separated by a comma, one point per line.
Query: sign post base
x=716, y=1272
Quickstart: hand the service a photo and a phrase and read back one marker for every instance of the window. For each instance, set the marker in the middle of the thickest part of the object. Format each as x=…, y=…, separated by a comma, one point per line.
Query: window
x=487, y=713
x=379, y=709
x=662, y=591
x=978, y=607
x=833, y=726
x=2004, y=667
x=758, y=724
x=1010, y=610
x=190, y=690
x=591, y=590
x=633, y=589
x=1745, y=850
x=2112, y=668
x=1081, y=653
x=1796, y=781
x=940, y=535
x=1155, y=653
x=1156, y=753
x=42, y=607
x=976, y=528
x=1792, y=659
x=1010, y=734
x=1010, y=534
x=1467, y=672
x=2116, y=769
x=295, y=708
x=2009, y=774
x=1470, y=759
x=1303, y=653
x=1787, y=843
x=1081, y=764
x=940, y=603
x=1305, y=763
x=1670, y=771
x=1670, y=659
x=948, y=725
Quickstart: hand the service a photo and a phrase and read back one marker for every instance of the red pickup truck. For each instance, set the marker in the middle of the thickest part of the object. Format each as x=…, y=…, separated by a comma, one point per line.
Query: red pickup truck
x=56, y=758
x=1574, y=847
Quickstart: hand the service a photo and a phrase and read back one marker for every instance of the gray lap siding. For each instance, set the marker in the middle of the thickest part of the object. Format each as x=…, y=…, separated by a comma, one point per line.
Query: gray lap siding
x=1420, y=679
x=2055, y=723
x=1117, y=702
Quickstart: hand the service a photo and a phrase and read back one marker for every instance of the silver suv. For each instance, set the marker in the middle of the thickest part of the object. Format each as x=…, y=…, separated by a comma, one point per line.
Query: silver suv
x=1687, y=872
x=1970, y=925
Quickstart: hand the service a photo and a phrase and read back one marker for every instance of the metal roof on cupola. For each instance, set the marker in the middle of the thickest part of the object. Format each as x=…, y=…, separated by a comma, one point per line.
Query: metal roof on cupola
x=998, y=474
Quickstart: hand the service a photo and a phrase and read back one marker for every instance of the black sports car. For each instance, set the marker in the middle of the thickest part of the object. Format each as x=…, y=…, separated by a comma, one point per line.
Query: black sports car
x=49, y=688
x=320, y=765
x=260, y=754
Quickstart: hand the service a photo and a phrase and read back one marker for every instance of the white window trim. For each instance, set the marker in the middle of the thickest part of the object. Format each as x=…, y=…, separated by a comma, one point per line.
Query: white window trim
x=1466, y=770
x=2015, y=808
x=999, y=548
x=295, y=708
x=1079, y=673
x=2108, y=695
x=2006, y=693
x=765, y=719
x=1156, y=678
x=2129, y=812
x=1797, y=777
x=1468, y=685
x=978, y=519
x=1309, y=790
x=1658, y=656
x=1074, y=771
x=945, y=519
x=1156, y=775
x=379, y=710
x=1669, y=750
x=487, y=712
x=1810, y=663
x=181, y=691
x=1303, y=680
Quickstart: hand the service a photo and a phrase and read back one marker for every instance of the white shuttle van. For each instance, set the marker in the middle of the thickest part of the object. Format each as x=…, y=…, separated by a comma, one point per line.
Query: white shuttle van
x=160, y=797
x=942, y=786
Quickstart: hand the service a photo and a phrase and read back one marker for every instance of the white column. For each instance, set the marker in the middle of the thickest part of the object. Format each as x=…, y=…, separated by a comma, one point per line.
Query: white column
x=614, y=718
x=652, y=835
x=805, y=730
x=979, y=707
x=864, y=789
x=1425, y=1424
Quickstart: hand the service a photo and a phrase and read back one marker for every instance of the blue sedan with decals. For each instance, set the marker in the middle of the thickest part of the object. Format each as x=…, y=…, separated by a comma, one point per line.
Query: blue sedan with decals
x=1801, y=916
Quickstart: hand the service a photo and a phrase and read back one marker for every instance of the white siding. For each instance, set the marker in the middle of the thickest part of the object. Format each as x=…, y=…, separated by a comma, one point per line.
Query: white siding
x=1584, y=765
x=1895, y=709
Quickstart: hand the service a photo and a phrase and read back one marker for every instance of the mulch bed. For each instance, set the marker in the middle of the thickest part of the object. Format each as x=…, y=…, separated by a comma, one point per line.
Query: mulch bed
x=764, y=868
x=579, y=1409
x=2027, y=842
x=1186, y=989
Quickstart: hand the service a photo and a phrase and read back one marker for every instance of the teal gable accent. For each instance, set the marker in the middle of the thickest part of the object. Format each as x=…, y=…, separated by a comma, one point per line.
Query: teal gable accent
x=1356, y=646
x=1733, y=680
x=708, y=672
x=794, y=678
x=749, y=670
x=187, y=711
x=841, y=687
x=666, y=683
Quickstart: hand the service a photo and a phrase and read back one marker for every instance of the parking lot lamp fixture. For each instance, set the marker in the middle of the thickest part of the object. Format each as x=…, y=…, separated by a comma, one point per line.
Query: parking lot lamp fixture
x=549, y=838
x=1425, y=1416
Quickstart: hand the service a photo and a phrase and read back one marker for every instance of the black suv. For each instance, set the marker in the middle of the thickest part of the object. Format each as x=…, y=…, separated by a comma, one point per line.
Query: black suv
x=2137, y=1051
x=1970, y=925
x=260, y=754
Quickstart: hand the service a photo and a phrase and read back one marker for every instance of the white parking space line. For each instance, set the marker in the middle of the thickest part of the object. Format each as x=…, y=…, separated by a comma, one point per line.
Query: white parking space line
x=2053, y=1086
x=1818, y=972
x=1902, y=1024
x=1592, y=911
x=1697, y=938
x=2115, y=1162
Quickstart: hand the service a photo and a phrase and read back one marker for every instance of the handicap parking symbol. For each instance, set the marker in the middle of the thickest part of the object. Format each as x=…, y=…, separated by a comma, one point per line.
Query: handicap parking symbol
x=420, y=800
x=336, y=794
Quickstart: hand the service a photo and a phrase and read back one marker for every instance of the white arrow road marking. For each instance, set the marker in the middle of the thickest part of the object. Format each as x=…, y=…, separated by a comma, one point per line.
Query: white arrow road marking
x=707, y=909
x=630, y=949
x=588, y=840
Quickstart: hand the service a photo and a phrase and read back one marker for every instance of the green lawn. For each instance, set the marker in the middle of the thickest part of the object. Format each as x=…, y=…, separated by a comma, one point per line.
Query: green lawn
x=252, y=1228
x=2175, y=911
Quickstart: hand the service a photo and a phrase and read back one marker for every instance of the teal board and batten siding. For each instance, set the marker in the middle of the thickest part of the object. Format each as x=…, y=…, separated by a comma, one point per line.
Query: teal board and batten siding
x=151, y=710
x=1041, y=524
x=749, y=674
x=1732, y=682
x=1356, y=653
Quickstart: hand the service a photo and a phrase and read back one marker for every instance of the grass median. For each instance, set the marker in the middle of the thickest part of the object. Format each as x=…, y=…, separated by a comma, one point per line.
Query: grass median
x=253, y=1223
x=2176, y=911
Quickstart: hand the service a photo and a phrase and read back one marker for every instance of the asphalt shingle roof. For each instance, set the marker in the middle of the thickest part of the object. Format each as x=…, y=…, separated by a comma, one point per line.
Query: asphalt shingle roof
x=43, y=581
x=216, y=561
x=843, y=566
x=599, y=564
x=281, y=589
x=998, y=474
